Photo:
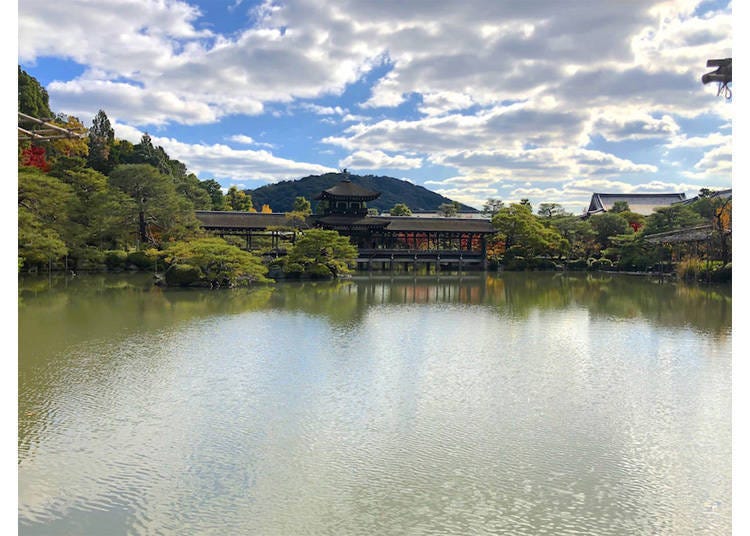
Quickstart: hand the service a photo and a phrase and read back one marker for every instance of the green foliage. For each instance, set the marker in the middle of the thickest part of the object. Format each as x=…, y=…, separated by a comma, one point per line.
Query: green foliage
x=183, y=275
x=43, y=221
x=320, y=252
x=158, y=212
x=115, y=259
x=214, y=262
x=145, y=260
x=608, y=225
x=448, y=210
x=213, y=189
x=620, y=206
x=578, y=236
x=302, y=206
x=551, y=210
x=33, y=99
x=577, y=265
x=524, y=235
x=671, y=218
x=189, y=187
x=101, y=142
x=491, y=207
x=236, y=199
x=601, y=264
x=632, y=253
x=400, y=209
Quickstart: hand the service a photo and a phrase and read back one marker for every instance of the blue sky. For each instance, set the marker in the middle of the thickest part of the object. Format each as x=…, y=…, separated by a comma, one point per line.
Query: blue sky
x=472, y=99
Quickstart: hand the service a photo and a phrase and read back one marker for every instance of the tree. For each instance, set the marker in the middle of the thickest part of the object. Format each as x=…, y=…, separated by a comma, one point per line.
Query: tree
x=607, y=225
x=635, y=221
x=550, y=210
x=189, y=186
x=620, y=206
x=34, y=156
x=161, y=213
x=266, y=209
x=33, y=99
x=523, y=233
x=212, y=261
x=448, y=210
x=70, y=152
x=98, y=214
x=492, y=207
x=213, y=188
x=43, y=203
x=101, y=142
x=238, y=200
x=302, y=206
x=671, y=218
x=321, y=253
x=578, y=234
x=144, y=152
x=400, y=209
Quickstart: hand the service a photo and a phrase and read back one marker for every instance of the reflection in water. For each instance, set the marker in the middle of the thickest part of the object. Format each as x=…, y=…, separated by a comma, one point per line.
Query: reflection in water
x=502, y=404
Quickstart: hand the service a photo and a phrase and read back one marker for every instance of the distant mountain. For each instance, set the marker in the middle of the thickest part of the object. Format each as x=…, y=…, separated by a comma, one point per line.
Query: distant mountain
x=280, y=196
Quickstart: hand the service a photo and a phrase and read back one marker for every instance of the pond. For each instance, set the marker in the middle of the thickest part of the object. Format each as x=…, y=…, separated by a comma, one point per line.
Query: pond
x=395, y=404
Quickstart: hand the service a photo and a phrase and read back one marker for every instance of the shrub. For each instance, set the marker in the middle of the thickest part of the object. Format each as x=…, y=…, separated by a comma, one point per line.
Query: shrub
x=515, y=264
x=89, y=258
x=217, y=263
x=144, y=260
x=543, y=263
x=183, y=275
x=601, y=264
x=577, y=265
x=115, y=259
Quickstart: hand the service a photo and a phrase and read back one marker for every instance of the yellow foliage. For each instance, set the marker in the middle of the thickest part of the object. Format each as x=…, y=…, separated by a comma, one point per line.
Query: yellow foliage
x=71, y=146
x=265, y=209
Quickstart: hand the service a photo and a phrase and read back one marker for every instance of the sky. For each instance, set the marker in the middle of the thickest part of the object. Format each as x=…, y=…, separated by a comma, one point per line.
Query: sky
x=473, y=99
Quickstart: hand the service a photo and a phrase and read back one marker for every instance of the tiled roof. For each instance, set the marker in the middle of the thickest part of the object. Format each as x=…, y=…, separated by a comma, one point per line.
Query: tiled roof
x=346, y=189
x=211, y=219
x=643, y=204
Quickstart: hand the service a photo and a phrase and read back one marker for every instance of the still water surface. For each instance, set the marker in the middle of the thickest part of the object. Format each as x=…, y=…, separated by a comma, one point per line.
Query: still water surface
x=520, y=404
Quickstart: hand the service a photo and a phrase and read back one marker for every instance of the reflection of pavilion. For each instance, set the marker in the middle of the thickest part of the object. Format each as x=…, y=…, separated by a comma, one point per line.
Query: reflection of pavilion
x=386, y=240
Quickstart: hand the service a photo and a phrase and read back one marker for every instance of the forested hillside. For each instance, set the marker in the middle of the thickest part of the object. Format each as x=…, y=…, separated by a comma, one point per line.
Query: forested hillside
x=280, y=196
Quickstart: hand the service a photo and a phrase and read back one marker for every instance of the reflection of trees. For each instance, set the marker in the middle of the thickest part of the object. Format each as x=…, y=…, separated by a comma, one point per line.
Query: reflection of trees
x=665, y=304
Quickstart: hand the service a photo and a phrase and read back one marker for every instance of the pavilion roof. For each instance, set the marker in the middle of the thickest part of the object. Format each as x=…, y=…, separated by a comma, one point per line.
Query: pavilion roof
x=346, y=189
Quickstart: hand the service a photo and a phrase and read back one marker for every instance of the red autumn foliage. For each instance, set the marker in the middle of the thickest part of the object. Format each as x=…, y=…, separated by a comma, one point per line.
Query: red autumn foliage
x=35, y=157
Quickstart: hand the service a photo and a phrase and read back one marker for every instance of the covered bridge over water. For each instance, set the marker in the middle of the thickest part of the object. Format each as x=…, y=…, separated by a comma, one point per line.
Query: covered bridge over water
x=383, y=241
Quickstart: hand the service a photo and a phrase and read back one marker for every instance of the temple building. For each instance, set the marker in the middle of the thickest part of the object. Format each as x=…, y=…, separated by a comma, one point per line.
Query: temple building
x=383, y=241
x=643, y=204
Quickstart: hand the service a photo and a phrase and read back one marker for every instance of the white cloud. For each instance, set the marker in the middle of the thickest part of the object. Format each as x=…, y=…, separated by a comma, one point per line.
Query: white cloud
x=222, y=162
x=377, y=160
x=248, y=140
